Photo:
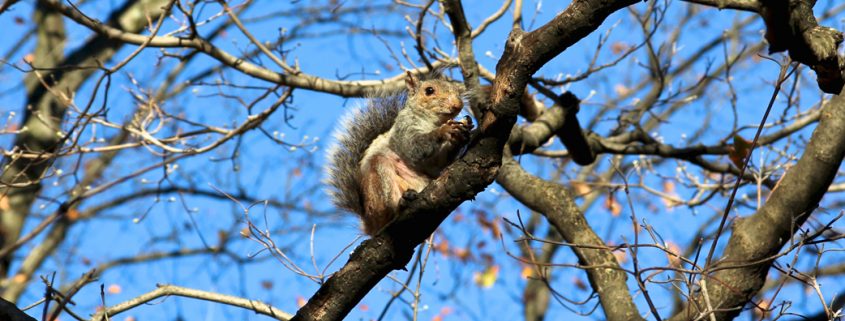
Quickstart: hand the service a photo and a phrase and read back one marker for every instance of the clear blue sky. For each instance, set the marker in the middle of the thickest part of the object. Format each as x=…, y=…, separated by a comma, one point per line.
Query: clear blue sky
x=271, y=171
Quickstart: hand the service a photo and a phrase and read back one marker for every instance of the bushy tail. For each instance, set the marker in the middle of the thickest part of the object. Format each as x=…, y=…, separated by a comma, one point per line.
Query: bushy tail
x=357, y=130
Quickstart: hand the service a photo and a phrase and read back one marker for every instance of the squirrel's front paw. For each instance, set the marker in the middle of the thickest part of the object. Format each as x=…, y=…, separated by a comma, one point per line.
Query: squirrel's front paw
x=457, y=131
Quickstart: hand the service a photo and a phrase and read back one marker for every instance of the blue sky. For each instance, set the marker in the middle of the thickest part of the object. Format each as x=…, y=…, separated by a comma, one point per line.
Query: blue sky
x=266, y=170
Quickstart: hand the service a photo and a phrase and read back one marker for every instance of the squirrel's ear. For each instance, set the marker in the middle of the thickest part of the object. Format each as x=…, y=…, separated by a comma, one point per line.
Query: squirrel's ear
x=410, y=83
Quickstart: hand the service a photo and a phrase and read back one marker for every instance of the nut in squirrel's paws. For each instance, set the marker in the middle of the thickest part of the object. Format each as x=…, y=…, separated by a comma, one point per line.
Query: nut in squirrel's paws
x=467, y=122
x=457, y=131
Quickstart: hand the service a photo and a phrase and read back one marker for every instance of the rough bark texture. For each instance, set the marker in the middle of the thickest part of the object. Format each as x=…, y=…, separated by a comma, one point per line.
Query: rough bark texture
x=524, y=54
x=559, y=120
x=791, y=26
x=555, y=203
x=756, y=239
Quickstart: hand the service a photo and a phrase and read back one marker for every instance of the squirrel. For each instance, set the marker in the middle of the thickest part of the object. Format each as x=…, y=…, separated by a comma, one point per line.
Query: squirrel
x=394, y=147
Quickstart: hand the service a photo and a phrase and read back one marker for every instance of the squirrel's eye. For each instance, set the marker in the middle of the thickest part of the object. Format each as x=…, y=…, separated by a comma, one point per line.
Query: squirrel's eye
x=429, y=91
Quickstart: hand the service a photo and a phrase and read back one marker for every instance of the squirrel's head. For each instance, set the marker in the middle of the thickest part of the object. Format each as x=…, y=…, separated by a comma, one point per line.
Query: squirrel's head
x=437, y=96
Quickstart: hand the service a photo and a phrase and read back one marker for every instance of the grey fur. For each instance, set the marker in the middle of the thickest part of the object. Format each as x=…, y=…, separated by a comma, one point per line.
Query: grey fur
x=357, y=130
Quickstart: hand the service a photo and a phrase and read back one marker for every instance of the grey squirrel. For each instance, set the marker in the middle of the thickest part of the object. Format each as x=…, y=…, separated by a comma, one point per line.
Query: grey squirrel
x=392, y=148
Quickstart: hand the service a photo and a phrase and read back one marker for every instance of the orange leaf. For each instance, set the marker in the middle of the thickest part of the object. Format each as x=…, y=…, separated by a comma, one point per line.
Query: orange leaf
x=621, y=256
x=739, y=151
x=114, y=289
x=495, y=229
x=618, y=47
x=612, y=205
x=442, y=314
x=581, y=188
x=442, y=247
x=621, y=90
x=762, y=310
x=20, y=278
x=461, y=254
x=445, y=311
x=527, y=272
x=668, y=187
x=72, y=214
x=300, y=301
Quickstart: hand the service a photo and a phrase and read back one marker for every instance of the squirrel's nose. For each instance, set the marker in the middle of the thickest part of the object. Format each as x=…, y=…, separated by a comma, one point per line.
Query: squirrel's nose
x=456, y=103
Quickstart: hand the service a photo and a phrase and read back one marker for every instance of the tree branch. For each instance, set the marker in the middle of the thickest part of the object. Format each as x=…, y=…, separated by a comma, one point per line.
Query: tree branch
x=391, y=249
x=168, y=290
x=761, y=235
x=554, y=202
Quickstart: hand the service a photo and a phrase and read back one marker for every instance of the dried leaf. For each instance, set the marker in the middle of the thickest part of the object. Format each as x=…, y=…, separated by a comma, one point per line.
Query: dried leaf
x=114, y=289
x=72, y=214
x=621, y=90
x=442, y=314
x=581, y=188
x=761, y=311
x=462, y=254
x=612, y=205
x=527, y=272
x=668, y=187
x=621, y=256
x=578, y=283
x=442, y=247
x=618, y=47
x=267, y=284
x=673, y=252
x=20, y=278
x=739, y=151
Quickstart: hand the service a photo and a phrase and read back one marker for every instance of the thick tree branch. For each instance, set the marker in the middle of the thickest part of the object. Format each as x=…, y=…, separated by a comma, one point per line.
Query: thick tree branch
x=763, y=234
x=391, y=249
x=48, y=53
x=555, y=203
x=791, y=26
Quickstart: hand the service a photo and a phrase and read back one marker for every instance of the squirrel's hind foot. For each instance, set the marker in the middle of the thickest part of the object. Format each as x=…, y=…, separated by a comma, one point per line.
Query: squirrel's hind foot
x=407, y=197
